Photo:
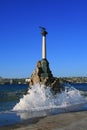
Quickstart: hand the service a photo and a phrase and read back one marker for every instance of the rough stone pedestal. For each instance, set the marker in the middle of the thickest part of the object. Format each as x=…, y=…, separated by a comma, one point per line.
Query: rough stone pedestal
x=43, y=75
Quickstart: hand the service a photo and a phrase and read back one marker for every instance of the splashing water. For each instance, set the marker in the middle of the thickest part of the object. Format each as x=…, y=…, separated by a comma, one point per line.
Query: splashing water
x=41, y=98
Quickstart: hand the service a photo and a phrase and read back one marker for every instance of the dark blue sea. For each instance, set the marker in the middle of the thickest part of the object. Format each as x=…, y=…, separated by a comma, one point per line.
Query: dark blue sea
x=10, y=95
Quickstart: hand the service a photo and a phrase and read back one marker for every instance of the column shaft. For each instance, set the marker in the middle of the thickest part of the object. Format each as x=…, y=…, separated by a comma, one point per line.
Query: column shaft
x=43, y=47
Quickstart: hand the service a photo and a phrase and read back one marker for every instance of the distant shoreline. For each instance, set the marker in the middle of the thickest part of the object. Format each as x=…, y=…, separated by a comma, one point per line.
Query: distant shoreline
x=74, y=79
x=62, y=80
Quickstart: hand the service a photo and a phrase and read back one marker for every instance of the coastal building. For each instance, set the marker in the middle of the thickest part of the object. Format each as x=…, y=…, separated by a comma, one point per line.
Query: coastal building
x=27, y=80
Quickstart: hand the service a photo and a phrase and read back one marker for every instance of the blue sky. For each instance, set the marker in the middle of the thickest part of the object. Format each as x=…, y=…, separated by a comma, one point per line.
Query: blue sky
x=21, y=41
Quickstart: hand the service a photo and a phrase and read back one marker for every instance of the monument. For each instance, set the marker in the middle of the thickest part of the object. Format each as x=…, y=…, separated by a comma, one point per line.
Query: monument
x=42, y=73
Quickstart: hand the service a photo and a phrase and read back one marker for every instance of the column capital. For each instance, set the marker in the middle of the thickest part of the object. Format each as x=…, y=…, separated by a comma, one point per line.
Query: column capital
x=44, y=33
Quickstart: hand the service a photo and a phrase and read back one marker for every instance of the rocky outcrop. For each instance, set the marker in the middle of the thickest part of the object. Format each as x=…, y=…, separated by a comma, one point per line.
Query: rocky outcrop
x=43, y=75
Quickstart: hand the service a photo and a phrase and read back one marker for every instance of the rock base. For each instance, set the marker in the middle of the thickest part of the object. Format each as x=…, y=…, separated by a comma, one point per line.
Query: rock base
x=43, y=75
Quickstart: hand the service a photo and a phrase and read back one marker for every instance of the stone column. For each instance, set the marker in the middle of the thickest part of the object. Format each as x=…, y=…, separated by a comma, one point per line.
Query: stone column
x=44, y=44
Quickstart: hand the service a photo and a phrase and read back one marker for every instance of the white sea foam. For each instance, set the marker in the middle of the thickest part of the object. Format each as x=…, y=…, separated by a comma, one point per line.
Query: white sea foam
x=41, y=98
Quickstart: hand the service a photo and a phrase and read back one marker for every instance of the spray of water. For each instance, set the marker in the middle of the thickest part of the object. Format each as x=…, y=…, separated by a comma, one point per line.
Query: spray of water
x=41, y=98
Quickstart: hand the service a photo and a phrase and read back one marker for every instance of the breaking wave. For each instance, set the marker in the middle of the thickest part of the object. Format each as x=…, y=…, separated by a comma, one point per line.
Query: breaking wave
x=40, y=98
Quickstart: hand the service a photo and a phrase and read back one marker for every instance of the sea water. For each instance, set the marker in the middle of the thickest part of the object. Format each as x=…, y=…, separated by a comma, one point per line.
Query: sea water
x=15, y=106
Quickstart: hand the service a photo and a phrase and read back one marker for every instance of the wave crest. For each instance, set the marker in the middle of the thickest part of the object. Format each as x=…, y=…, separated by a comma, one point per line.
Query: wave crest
x=41, y=98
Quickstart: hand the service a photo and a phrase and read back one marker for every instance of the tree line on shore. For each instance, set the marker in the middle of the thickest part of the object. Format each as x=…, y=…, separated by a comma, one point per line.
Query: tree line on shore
x=74, y=79
x=12, y=81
